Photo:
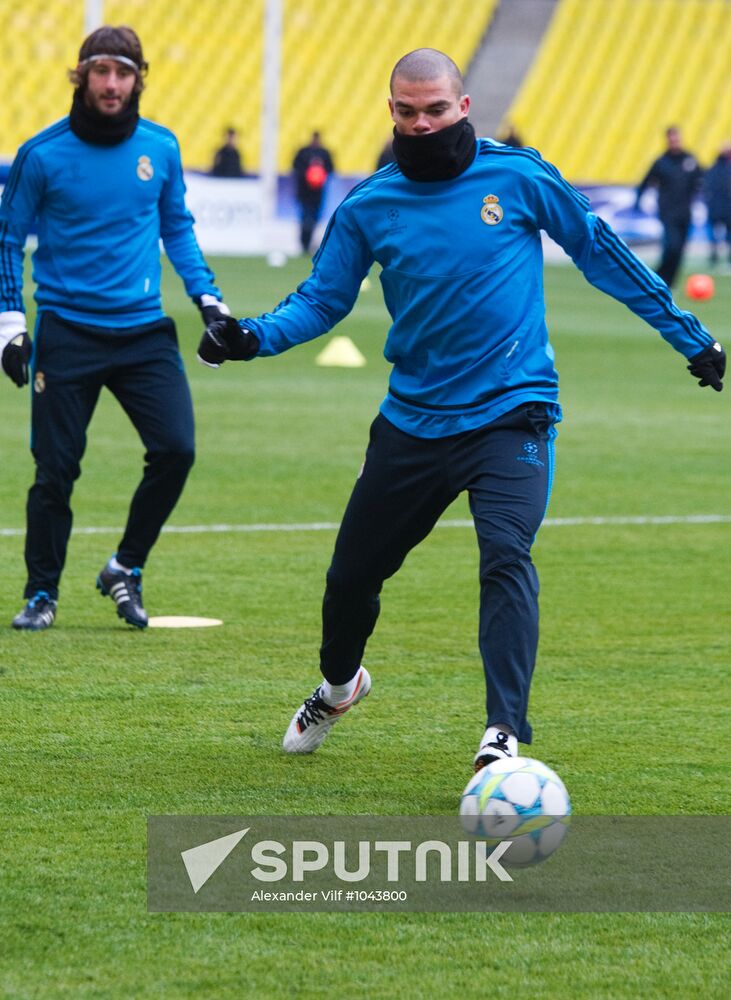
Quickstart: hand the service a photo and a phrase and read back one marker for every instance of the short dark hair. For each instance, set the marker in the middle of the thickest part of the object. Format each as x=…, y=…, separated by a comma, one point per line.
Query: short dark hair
x=427, y=64
x=110, y=41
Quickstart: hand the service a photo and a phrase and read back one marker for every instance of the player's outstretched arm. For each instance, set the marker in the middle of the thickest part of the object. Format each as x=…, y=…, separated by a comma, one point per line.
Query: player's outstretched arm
x=317, y=305
x=15, y=347
x=225, y=339
x=323, y=299
x=609, y=264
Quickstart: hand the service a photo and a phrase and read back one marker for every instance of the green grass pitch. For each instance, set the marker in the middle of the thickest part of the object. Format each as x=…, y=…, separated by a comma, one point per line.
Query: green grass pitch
x=101, y=726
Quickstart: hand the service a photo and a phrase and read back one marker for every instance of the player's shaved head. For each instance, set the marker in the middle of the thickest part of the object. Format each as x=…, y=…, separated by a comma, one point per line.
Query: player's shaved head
x=427, y=64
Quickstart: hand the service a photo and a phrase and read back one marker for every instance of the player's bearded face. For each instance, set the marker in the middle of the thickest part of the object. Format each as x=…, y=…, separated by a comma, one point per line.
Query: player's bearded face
x=109, y=86
x=422, y=106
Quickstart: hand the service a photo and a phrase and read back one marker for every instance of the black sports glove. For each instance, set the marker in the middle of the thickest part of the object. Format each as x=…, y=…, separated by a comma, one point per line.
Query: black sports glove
x=224, y=340
x=709, y=366
x=16, y=356
x=211, y=309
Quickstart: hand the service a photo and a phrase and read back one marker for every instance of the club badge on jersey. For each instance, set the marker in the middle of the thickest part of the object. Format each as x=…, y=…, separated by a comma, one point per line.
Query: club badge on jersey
x=491, y=212
x=145, y=169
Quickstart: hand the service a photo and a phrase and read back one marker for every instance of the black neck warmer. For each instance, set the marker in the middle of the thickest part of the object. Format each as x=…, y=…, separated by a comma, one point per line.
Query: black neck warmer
x=436, y=156
x=92, y=126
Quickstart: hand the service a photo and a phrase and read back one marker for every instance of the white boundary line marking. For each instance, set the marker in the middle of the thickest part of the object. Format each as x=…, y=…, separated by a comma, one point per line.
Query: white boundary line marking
x=549, y=522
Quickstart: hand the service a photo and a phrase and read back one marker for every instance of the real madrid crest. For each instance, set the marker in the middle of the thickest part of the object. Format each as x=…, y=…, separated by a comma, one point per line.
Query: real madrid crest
x=39, y=382
x=145, y=170
x=491, y=213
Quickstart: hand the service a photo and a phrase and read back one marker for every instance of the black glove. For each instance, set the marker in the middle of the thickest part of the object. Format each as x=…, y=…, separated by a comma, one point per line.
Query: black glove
x=211, y=309
x=225, y=340
x=709, y=366
x=16, y=357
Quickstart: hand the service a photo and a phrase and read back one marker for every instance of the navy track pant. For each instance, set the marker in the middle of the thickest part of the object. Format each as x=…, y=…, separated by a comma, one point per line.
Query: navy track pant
x=406, y=484
x=675, y=236
x=310, y=208
x=142, y=367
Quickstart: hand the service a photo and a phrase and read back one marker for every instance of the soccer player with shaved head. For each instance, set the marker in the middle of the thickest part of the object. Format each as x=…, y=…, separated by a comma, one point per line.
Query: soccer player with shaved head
x=472, y=402
x=104, y=186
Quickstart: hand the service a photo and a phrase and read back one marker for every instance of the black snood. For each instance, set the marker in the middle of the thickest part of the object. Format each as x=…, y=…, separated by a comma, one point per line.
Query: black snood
x=436, y=156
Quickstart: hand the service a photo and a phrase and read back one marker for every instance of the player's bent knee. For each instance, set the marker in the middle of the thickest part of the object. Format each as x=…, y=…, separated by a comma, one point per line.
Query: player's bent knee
x=501, y=550
x=180, y=458
x=351, y=584
x=187, y=457
x=57, y=480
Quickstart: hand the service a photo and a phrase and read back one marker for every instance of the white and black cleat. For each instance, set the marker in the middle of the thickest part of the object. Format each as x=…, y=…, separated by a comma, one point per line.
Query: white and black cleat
x=39, y=613
x=125, y=589
x=496, y=744
x=314, y=719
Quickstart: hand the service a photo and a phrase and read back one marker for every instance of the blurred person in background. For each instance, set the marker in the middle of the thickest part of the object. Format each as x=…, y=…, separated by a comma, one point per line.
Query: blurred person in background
x=717, y=194
x=510, y=135
x=104, y=186
x=472, y=402
x=227, y=162
x=677, y=176
x=312, y=166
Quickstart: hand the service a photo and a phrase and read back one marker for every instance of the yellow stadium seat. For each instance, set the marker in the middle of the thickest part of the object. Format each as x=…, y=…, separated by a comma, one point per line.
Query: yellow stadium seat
x=206, y=67
x=610, y=75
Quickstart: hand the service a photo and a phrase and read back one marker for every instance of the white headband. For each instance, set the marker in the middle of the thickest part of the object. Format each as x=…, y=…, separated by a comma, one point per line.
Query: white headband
x=121, y=59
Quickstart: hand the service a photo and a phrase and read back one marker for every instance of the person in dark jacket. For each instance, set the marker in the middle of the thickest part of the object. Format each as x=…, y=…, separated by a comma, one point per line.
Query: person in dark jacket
x=510, y=135
x=677, y=176
x=227, y=161
x=717, y=192
x=312, y=166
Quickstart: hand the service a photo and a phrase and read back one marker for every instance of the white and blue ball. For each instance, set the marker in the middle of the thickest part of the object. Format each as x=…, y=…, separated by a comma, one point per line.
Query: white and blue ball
x=521, y=800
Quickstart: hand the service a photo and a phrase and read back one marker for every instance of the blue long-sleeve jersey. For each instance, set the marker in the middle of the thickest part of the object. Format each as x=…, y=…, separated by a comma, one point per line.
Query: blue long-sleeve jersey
x=101, y=212
x=462, y=277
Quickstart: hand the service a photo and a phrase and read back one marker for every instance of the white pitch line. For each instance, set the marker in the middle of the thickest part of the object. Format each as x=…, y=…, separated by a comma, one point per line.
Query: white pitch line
x=550, y=522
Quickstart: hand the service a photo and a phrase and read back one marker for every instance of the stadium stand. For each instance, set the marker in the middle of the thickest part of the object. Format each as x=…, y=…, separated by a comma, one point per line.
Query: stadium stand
x=337, y=80
x=608, y=75
x=39, y=40
x=502, y=60
x=206, y=70
x=611, y=74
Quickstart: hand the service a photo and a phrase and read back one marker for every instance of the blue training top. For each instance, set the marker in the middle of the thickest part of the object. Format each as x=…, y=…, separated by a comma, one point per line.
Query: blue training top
x=463, y=281
x=101, y=212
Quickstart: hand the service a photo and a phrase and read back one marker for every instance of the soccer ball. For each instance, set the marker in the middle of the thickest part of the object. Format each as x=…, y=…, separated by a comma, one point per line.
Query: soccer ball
x=520, y=800
x=700, y=286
